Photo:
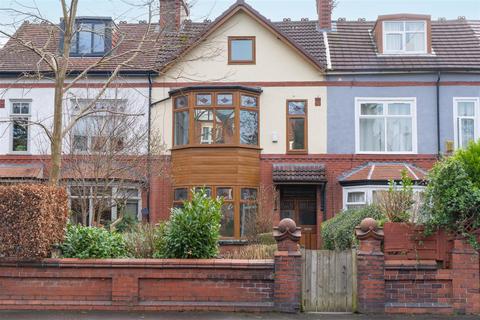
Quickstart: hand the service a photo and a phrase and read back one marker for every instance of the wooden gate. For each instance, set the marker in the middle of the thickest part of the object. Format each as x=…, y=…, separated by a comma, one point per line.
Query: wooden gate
x=329, y=281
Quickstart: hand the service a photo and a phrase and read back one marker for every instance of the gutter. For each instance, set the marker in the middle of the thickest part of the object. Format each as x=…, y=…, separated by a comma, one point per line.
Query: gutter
x=438, y=114
x=149, y=126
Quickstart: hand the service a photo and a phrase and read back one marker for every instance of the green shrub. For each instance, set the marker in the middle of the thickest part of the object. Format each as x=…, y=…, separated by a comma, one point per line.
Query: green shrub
x=470, y=158
x=252, y=252
x=93, y=243
x=141, y=240
x=338, y=232
x=452, y=198
x=128, y=223
x=192, y=231
x=397, y=202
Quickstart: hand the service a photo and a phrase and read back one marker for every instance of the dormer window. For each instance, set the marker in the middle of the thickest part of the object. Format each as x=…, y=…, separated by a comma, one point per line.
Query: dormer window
x=92, y=37
x=405, y=36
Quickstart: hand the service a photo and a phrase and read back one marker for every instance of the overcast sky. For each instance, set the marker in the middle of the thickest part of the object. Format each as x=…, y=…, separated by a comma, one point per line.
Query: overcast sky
x=273, y=9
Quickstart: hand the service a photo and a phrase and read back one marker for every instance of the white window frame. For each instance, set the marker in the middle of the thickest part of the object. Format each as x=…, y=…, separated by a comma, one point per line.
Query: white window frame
x=476, y=118
x=20, y=116
x=114, y=209
x=404, y=37
x=368, y=190
x=383, y=100
x=122, y=103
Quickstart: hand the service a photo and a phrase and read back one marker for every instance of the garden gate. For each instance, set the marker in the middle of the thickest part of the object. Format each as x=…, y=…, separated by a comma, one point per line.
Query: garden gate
x=329, y=281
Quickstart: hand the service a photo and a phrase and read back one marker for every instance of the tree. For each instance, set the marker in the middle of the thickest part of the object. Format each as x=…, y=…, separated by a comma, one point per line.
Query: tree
x=56, y=64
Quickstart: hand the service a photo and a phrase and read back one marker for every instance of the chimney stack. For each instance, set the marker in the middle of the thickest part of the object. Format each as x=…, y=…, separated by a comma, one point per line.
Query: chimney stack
x=172, y=14
x=324, y=10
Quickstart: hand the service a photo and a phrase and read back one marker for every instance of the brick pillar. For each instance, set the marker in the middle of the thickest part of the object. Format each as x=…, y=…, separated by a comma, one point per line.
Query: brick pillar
x=288, y=267
x=465, y=278
x=370, y=268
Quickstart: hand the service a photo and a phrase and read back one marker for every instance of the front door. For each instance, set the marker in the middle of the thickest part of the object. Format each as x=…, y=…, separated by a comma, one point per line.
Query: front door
x=301, y=206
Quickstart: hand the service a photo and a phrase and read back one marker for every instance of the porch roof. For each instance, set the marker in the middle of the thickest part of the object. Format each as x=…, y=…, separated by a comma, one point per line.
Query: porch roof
x=376, y=172
x=17, y=171
x=299, y=173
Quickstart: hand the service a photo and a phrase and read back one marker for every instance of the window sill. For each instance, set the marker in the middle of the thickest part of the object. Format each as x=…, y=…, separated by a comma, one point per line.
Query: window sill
x=19, y=153
x=386, y=153
x=201, y=146
x=303, y=152
x=241, y=63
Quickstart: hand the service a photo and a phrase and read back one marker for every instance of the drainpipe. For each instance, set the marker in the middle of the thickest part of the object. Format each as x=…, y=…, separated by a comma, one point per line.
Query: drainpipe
x=149, y=128
x=438, y=116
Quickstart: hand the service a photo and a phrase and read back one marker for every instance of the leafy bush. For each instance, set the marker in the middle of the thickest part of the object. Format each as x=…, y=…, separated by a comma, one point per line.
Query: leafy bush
x=140, y=242
x=338, y=232
x=470, y=158
x=93, y=243
x=453, y=198
x=192, y=231
x=397, y=202
x=32, y=220
x=252, y=252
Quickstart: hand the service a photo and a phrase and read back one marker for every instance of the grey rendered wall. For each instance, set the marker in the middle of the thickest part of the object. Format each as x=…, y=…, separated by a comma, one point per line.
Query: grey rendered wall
x=341, y=108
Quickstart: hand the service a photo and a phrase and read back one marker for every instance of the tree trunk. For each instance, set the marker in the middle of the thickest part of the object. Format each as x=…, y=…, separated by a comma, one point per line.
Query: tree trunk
x=56, y=143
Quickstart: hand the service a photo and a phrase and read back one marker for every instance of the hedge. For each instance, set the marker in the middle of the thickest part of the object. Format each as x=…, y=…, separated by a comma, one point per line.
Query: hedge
x=338, y=232
x=32, y=220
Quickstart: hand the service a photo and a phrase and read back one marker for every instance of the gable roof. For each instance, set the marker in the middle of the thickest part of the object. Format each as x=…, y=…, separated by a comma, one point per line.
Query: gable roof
x=455, y=44
x=304, y=39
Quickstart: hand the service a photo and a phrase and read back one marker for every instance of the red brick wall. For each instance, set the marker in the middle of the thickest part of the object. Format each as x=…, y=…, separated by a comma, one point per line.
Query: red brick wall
x=417, y=286
x=417, y=290
x=71, y=284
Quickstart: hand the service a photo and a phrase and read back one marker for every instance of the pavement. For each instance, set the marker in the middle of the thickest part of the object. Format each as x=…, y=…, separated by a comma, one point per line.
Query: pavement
x=62, y=315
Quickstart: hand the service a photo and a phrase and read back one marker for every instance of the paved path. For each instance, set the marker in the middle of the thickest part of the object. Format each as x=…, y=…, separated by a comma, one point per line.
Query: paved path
x=36, y=315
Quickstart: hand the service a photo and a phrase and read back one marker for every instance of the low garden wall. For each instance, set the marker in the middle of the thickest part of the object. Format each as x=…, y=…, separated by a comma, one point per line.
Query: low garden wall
x=387, y=283
x=158, y=284
x=226, y=285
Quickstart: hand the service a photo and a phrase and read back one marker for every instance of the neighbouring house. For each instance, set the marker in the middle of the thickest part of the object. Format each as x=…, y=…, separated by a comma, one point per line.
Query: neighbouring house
x=106, y=150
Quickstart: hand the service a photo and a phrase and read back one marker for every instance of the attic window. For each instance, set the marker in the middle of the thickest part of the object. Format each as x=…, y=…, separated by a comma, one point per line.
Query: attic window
x=241, y=50
x=92, y=37
x=405, y=37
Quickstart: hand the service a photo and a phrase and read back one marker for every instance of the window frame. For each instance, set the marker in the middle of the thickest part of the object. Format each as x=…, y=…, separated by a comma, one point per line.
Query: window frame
x=305, y=128
x=385, y=101
x=236, y=107
x=404, y=37
x=112, y=196
x=236, y=201
x=76, y=37
x=99, y=115
x=476, y=119
x=20, y=116
x=368, y=189
x=242, y=62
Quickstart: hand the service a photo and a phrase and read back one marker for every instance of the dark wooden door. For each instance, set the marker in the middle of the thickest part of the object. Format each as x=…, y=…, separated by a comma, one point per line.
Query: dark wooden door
x=304, y=212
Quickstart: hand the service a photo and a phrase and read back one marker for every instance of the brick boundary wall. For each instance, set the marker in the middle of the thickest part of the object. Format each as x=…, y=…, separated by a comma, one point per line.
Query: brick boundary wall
x=158, y=284
x=415, y=286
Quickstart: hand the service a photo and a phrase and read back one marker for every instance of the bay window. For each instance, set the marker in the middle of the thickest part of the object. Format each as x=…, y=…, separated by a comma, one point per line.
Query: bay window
x=101, y=130
x=220, y=117
x=386, y=126
x=405, y=37
x=239, y=209
x=466, y=117
x=357, y=197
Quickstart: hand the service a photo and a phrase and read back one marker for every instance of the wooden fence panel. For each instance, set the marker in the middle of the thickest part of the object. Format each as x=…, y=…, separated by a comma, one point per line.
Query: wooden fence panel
x=329, y=281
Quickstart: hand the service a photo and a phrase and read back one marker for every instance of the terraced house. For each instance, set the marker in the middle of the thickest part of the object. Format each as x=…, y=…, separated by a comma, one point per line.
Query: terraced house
x=297, y=119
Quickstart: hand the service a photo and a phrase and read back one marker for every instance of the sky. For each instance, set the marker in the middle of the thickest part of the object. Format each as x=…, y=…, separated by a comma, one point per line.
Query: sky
x=272, y=9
